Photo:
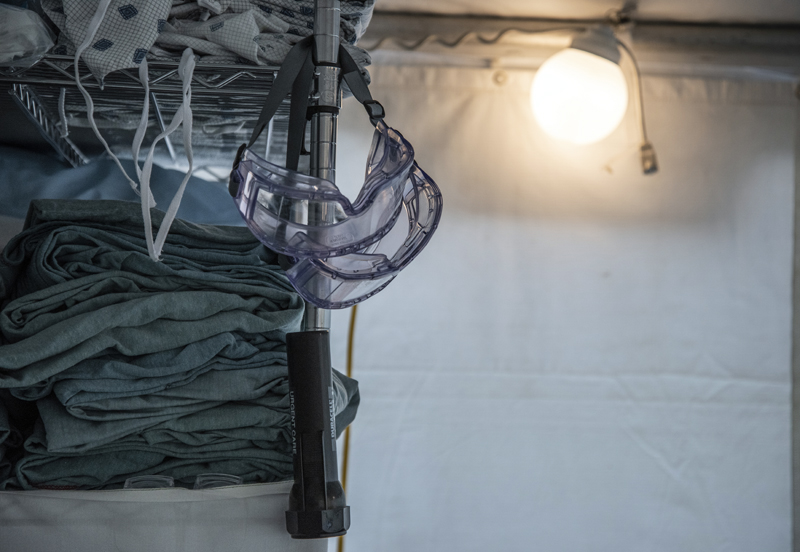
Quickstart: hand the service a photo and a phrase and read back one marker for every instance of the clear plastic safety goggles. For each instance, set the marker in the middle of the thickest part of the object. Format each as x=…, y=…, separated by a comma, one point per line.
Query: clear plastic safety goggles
x=344, y=252
x=338, y=253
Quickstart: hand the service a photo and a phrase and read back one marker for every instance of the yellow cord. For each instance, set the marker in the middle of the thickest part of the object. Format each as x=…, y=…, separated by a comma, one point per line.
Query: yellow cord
x=345, y=455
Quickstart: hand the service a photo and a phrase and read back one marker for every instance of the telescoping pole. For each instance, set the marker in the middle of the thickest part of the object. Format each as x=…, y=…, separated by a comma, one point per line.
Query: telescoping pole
x=317, y=505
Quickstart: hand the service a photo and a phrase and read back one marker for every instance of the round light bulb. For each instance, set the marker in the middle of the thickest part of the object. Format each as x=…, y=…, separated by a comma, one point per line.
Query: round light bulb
x=579, y=97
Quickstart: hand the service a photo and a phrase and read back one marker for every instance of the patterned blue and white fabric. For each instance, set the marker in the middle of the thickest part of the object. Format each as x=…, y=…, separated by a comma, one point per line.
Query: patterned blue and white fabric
x=219, y=31
x=123, y=39
x=110, y=35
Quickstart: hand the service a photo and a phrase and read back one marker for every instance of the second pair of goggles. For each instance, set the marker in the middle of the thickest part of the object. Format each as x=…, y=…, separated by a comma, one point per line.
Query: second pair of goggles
x=339, y=252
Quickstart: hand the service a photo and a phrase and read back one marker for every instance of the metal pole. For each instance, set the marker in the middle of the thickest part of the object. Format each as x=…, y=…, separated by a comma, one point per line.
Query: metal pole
x=323, y=124
x=795, y=422
x=317, y=504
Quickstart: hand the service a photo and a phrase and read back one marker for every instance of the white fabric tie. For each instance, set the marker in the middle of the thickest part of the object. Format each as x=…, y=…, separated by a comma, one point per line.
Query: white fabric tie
x=182, y=116
x=91, y=31
x=62, y=112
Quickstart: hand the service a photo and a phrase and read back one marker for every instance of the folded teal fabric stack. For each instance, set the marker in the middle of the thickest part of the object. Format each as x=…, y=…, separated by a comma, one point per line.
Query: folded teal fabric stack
x=112, y=365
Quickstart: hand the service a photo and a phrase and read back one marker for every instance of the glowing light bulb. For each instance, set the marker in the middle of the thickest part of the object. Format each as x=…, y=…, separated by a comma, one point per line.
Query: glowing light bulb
x=578, y=96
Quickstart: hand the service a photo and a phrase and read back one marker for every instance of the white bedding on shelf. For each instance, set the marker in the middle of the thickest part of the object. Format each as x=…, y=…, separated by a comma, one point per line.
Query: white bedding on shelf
x=247, y=518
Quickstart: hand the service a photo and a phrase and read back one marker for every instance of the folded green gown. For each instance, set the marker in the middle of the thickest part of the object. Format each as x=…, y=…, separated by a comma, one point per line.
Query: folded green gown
x=138, y=367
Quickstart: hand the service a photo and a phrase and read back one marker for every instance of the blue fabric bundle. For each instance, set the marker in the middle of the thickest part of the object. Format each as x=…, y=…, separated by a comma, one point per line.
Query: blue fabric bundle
x=137, y=367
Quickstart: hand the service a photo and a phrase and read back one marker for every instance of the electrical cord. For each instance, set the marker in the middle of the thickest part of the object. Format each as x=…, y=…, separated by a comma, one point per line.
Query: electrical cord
x=346, y=450
x=646, y=152
x=637, y=85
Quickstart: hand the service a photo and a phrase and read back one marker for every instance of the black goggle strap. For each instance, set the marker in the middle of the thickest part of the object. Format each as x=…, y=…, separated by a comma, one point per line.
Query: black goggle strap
x=358, y=86
x=292, y=65
x=295, y=76
x=297, y=61
x=297, y=113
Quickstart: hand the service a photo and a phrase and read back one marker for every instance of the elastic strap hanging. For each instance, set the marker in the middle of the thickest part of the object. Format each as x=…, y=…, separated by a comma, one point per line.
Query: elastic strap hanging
x=91, y=31
x=183, y=116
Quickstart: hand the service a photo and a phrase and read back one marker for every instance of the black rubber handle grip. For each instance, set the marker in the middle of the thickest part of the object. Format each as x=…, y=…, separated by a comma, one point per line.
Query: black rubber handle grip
x=317, y=505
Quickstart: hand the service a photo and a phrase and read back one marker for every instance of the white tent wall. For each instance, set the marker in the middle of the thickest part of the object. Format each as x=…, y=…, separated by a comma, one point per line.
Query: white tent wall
x=580, y=361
